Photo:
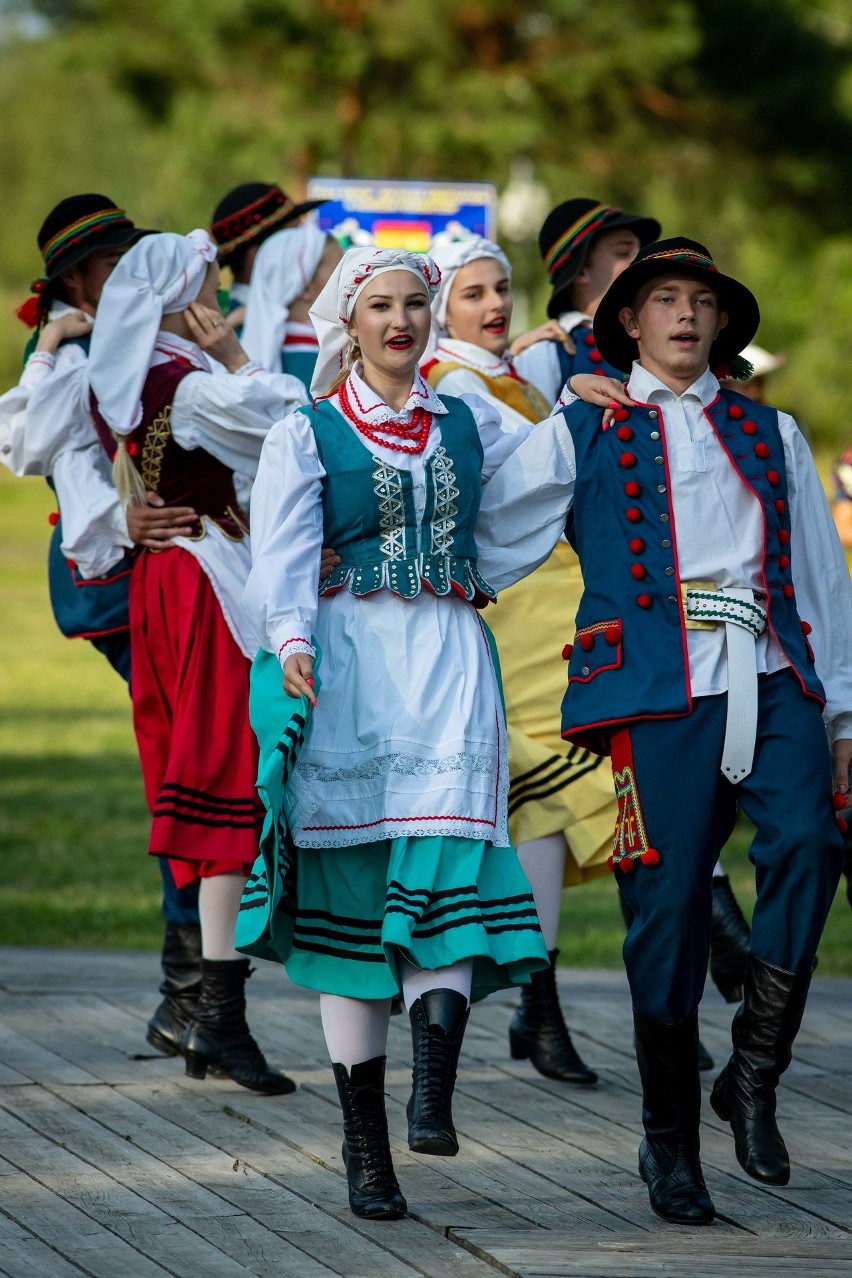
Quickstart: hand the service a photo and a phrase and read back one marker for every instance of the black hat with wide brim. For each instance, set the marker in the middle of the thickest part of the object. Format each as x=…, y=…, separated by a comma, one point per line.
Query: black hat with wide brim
x=80, y=225
x=570, y=230
x=250, y=213
x=675, y=257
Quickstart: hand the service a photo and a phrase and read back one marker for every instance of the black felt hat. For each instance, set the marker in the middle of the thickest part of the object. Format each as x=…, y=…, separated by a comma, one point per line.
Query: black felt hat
x=76, y=227
x=250, y=213
x=676, y=257
x=568, y=233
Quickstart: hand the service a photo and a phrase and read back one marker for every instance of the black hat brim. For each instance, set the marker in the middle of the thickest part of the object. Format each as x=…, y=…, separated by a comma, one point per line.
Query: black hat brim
x=110, y=237
x=646, y=229
x=292, y=215
x=737, y=301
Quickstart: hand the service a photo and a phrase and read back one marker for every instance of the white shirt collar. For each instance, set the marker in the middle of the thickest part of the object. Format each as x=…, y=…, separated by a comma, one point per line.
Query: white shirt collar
x=376, y=411
x=475, y=356
x=239, y=293
x=645, y=388
x=570, y=319
x=58, y=308
x=170, y=346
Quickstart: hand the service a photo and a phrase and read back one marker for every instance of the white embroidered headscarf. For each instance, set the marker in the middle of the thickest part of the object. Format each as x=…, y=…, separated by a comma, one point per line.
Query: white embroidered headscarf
x=160, y=275
x=283, y=268
x=333, y=308
x=451, y=258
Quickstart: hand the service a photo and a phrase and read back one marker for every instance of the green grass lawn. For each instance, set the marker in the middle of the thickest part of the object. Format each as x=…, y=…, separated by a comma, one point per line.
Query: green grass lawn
x=73, y=820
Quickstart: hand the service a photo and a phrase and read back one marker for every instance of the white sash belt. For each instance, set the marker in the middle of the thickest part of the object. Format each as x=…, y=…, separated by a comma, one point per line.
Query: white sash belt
x=744, y=620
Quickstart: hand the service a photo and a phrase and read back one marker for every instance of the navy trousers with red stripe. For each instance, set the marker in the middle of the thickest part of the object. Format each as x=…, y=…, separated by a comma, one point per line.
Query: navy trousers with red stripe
x=687, y=807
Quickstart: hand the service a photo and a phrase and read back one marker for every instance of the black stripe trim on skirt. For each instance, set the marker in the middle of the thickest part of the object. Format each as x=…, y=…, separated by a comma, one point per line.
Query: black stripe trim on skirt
x=344, y=954
x=560, y=768
x=204, y=797
x=193, y=818
x=421, y=934
x=536, y=795
x=542, y=767
x=483, y=907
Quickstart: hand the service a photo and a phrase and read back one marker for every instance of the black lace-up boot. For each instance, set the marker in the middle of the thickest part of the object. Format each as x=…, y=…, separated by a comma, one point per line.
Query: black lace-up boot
x=743, y=1095
x=218, y=1034
x=374, y=1192
x=538, y=1032
x=730, y=938
x=669, y=1160
x=181, y=987
x=705, y=1060
x=438, y=1019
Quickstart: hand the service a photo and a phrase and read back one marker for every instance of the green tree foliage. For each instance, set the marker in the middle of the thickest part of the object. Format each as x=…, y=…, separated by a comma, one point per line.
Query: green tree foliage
x=730, y=120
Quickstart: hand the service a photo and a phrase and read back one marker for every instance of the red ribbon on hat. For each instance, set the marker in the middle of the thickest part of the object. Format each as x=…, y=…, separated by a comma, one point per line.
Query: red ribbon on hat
x=32, y=310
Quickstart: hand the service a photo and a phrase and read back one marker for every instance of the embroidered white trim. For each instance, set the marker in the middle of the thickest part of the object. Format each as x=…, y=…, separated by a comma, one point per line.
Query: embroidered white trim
x=446, y=502
x=387, y=486
x=716, y=606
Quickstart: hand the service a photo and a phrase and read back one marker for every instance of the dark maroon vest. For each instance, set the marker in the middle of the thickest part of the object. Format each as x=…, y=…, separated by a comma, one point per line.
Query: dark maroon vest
x=182, y=477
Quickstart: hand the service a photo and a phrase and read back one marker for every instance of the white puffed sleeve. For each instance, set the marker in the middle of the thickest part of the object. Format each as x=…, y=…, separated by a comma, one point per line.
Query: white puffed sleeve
x=280, y=598
x=820, y=578
x=497, y=443
x=46, y=412
x=540, y=365
x=230, y=416
x=464, y=381
x=525, y=504
x=94, y=527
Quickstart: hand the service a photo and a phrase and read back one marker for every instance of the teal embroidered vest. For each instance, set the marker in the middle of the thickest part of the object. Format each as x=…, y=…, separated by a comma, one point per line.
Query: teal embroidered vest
x=369, y=511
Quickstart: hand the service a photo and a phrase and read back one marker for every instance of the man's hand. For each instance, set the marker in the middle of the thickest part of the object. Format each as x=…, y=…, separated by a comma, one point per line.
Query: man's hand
x=54, y=333
x=842, y=752
x=155, y=525
x=299, y=676
x=329, y=559
x=552, y=331
x=215, y=336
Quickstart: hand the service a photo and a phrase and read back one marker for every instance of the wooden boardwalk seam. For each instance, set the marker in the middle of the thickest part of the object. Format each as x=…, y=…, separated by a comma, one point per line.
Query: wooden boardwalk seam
x=114, y=1165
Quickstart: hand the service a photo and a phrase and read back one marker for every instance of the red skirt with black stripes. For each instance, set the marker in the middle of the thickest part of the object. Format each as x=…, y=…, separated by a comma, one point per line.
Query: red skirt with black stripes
x=190, y=684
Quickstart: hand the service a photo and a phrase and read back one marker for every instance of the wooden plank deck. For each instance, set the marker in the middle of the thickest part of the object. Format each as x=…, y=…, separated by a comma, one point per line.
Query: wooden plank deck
x=113, y=1164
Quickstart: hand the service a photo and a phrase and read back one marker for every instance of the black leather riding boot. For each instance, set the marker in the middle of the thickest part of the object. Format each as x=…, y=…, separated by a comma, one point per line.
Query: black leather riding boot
x=730, y=938
x=218, y=1034
x=705, y=1060
x=669, y=1160
x=181, y=987
x=743, y=1095
x=538, y=1032
x=438, y=1019
x=374, y=1192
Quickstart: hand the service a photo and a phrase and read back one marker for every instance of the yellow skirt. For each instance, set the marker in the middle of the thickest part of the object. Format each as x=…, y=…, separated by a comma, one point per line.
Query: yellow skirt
x=556, y=788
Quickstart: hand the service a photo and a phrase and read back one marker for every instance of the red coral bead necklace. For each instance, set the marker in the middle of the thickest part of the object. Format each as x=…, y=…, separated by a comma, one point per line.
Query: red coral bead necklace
x=421, y=422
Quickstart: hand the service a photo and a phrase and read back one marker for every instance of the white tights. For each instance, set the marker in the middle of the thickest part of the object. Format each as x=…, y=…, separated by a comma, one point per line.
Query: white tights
x=356, y=1029
x=543, y=862
x=218, y=906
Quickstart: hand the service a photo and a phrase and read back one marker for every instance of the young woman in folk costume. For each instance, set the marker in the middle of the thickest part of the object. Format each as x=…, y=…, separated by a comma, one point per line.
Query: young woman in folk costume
x=386, y=861
x=290, y=271
x=175, y=429
x=561, y=802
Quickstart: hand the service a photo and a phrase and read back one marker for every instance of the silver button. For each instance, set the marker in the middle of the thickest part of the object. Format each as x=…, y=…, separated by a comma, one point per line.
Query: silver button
x=661, y=488
x=655, y=434
x=658, y=461
x=652, y=415
x=585, y=670
x=664, y=518
x=672, y=599
x=670, y=572
x=7, y=448
x=666, y=544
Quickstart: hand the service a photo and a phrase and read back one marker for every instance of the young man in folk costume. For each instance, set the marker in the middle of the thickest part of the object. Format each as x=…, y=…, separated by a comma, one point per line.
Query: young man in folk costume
x=172, y=427
x=46, y=429
x=585, y=245
x=242, y=221
x=713, y=638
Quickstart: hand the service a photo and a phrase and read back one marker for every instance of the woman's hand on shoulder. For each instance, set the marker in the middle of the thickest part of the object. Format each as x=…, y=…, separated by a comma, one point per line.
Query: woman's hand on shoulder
x=299, y=676
x=552, y=331
x=153, y=524
x=55, y=332
x=605, y=392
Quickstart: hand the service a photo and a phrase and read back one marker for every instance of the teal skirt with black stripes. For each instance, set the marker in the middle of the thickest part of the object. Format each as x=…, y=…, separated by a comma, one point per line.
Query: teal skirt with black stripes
x=339, y=918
